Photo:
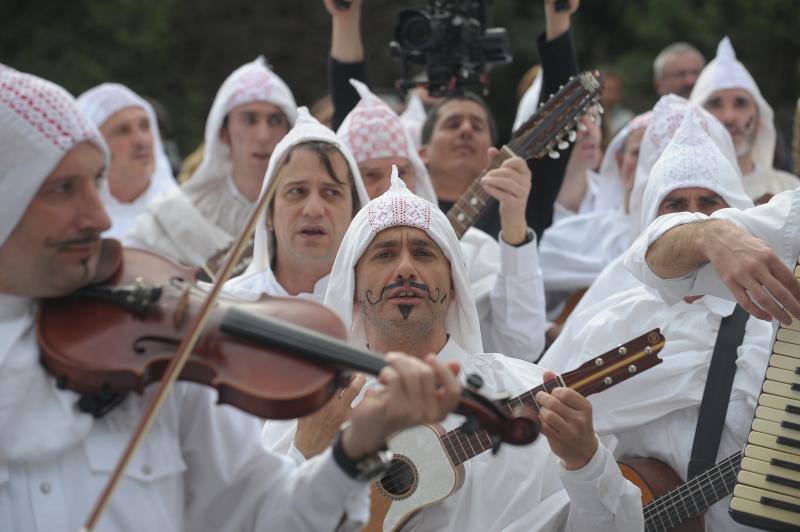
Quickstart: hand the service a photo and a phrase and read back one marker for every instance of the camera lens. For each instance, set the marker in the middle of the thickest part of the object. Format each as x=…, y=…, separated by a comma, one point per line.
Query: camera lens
x=414, y=30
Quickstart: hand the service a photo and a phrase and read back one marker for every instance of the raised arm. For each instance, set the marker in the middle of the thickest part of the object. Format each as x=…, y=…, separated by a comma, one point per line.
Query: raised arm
x=751, y=270
x=346, y=58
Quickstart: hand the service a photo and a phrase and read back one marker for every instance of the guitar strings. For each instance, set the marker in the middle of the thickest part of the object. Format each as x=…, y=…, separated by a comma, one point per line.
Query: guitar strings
x=666, y=507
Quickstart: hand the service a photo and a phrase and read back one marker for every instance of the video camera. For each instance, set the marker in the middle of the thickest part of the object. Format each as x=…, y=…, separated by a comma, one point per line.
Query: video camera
x=451, y=39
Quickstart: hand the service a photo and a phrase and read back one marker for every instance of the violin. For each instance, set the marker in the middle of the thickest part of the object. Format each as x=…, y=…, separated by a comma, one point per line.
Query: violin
x=276, y=358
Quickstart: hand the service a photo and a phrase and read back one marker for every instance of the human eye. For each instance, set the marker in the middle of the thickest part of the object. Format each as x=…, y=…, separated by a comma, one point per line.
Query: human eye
x=295, y=191
x=333, y=192
x=275, y=120
x=713, y=103
x=249, y=118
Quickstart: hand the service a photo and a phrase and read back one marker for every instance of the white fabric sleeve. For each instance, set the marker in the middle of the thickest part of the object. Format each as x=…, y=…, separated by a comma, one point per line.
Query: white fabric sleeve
x=515, y=325
x=600, y=497
x=234, y=483
x=777, y=223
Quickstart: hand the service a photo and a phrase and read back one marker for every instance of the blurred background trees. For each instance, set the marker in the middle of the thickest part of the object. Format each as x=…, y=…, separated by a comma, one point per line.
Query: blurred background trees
x=179, y=51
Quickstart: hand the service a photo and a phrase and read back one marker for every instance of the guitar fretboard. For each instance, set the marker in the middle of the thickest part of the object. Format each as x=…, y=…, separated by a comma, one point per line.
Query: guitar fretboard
x=461, y=445
x=693, y=497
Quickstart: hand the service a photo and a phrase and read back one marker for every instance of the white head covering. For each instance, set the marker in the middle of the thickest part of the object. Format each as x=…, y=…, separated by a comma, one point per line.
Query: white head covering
x=614, y=190
x=529, y=102
x=99, y=103
x=667, y=116
x=373, y=130
x=306, y=129
x=399, y=207
x=413, y=119
x=5, y=68
x=725, y=72
x=252, y=82
x=39, y=124
x=692, y=159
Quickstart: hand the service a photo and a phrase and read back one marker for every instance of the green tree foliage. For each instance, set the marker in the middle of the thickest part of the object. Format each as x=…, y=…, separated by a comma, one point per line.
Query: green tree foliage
x=179, y=51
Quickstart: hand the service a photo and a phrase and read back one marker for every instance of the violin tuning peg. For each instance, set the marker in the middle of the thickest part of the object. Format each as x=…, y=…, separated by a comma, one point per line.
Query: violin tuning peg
x=554, y=154
x=563, y=145
x=470, y=425
x=572, y=136
x=496, y=441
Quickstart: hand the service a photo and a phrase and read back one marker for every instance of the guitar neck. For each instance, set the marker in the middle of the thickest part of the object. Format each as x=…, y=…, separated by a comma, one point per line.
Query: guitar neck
x=475, y=200
x=693, y=497
x=594, y=376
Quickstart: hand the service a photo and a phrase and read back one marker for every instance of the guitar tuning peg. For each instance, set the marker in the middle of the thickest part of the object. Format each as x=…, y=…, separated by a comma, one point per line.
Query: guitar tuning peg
x=563, y=145
x=591, y=119
x=600, y=108
x=572, y=136
x=581, y=126
x=554, y=154
x=560, y=87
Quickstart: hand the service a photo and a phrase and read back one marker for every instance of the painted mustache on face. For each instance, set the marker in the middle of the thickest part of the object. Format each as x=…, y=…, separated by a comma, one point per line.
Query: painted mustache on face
x=87, y=238
x=438, y=298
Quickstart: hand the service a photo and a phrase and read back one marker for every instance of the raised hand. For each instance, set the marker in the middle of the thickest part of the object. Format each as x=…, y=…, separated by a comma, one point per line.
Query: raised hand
x=566, y=418
x=510, y=185
x=754, y=274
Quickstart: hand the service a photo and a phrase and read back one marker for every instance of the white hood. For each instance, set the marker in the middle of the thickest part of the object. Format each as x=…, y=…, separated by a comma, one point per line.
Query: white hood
x=726, y=72
x=399, y=207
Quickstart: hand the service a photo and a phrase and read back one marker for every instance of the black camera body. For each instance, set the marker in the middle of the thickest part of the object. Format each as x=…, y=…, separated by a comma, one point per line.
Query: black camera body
x=450, y=38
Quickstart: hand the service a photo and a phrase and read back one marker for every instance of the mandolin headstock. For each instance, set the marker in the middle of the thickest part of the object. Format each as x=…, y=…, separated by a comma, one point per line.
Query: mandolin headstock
x=554, y=124
x=617, y=365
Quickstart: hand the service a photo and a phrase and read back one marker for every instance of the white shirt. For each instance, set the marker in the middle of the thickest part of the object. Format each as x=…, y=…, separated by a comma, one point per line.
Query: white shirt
x=763, y=180
x=520, y=488
x=575, y=249
x=777, y=223
x=192, y=229
x=124, y=215
x=655, y=413
x=201, y=467
x=506, y=282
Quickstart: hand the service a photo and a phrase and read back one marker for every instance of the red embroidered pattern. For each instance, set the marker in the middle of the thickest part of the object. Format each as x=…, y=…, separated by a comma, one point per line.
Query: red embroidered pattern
x=375, y=131
x=49, y=109
x=398, y=206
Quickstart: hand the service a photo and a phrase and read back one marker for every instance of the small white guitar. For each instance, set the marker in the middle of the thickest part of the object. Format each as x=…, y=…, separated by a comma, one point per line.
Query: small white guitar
x=428, y=461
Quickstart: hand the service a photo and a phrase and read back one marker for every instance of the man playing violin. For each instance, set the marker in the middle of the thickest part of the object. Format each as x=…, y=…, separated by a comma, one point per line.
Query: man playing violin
x=201, y=466
x=399, y=280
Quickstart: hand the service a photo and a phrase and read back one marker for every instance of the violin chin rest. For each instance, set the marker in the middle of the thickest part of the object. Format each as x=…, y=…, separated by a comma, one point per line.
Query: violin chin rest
x=109, y=262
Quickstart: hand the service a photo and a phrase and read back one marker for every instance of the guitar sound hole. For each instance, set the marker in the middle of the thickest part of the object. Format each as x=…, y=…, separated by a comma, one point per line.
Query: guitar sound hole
x=400, y=480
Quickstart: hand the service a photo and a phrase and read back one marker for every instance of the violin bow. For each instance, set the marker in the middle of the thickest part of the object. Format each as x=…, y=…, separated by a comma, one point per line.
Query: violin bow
x=175, y=366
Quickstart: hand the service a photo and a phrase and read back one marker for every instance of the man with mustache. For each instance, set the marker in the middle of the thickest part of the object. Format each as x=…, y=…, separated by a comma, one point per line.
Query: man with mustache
x=140, y=171
x=201, y=465
x=728, y=91
x=399, y=280
x=251, y=113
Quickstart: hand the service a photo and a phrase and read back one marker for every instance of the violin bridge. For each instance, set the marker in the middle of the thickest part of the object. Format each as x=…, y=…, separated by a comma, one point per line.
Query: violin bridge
x=181, y=309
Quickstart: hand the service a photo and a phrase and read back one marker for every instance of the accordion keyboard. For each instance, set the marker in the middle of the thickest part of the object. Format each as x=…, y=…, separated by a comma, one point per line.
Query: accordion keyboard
x=767, y=493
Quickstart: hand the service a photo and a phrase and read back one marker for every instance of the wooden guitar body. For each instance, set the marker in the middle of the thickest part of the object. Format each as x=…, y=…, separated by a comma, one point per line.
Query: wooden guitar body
x=655, y=478
x=405, y=488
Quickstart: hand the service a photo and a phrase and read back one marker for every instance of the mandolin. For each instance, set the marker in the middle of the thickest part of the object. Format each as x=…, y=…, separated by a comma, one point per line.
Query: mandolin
x=551, y=128
x=427, y=466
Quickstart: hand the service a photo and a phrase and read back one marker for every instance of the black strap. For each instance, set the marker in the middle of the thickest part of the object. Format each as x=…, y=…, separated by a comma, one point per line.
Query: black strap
x=717, y=394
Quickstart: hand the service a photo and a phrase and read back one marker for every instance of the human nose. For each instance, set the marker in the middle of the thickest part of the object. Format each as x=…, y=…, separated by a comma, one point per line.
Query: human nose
x=93, y=215
x=313, y=207
x=405, y=266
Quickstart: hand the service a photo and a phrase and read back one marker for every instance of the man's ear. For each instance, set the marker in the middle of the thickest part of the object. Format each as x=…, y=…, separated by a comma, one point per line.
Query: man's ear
x=423, y=154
